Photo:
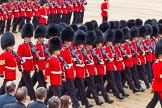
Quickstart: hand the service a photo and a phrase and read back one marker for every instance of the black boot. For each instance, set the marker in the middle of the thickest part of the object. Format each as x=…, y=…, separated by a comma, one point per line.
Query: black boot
x=119, y=97
x=99, y=102
x=89, y=105
x=135, y=90
x=108, y=100
x=125, y=94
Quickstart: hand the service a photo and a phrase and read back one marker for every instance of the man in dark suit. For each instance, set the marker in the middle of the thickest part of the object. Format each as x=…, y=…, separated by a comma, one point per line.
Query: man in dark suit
x=21, y=95
x=41, y=94
x=9, y=96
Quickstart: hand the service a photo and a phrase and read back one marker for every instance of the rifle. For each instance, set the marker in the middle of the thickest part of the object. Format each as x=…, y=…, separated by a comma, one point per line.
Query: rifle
x=151, y=46
x=145, y=46
x=65, y=63
x=33, y=50
x=74, y=54
x=17, y=55
x=68, y=3
x=105, y=54
x=25, y=5
x=116, y=56
x=132, y=49
x=124, y=52
x=55, y=3
x=96, y=55
x=46, y=50
x=13, y=7
x=86, y=55
x=138, y=46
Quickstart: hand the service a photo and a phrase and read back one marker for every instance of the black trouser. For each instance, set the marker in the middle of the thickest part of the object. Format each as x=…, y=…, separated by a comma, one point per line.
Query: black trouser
x=35, y=21
x=135, y=77
x=71, y=90
x=149, y=72
x=50, y=18
x=21, y=22
x=92, y=88
x=81, y=17
x=75, y=17
x=54, y=18
x=104, y=18
x=53, y=91
x=69, y=17
x=39, y=76
x=2, y=26
x=8, y=25
x=112, y=83
x=15, y=23
x=26, y=81
x=28, y=19
x=154, y=100
x=100, y=84
x=58, y=18
x=81, y=90
x=2, y=89
x=64, y=18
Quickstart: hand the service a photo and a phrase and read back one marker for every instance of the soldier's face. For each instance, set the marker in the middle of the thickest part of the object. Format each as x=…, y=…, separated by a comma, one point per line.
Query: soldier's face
x=40, y=39
x=81, y=46
x=99, y=45
x=68, y=43
x=27, y=39
x=57, y=52
x=109, y=43
x=10, y=48
x=148, y=36
x=88, y=46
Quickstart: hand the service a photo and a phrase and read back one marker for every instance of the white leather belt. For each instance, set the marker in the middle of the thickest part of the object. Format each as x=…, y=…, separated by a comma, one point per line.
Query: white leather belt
x=10, y=68
x=9, y=11
x=41, y=58
x=29, y=10
x=80, y=65
x=56, y=72
x=27, y=58
x=90, y=63
x=16, y=10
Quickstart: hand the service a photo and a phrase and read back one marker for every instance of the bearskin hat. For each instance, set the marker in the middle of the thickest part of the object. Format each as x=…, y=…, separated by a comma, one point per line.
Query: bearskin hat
x=112, y=24
x=95, y=24
x=123, y=23
x=40, y=31
x=160, y=28
x=160, y=21
x=109, y=36
x=139, y=22
x=154, y=22
x=158, y=48
x=89, y=26
x=155, y=30
x=83, y=27
x=91, y=38
x=131, y=23
x=142, y=31
x=134, y=31
x=27, y=30
x=99, y=36
x=149, y=29
x=74, y=27
x=79, y=37
x=54, y=44
x=52, y=30
x=7, y=39
x=67, y=34
x=149, y=21
x=118, y=36
x=104, y=26
x=42, y=2
x=61, y=26
x=126, y=33
x=3, y=1
x=117, y=25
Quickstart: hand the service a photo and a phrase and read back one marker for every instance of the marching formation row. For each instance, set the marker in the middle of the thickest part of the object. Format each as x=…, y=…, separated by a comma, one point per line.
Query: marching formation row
x=80, y=61
x=40, y=12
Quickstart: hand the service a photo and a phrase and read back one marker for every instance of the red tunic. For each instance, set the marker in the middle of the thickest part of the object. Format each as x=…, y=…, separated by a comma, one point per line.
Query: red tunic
x=4, y=13
x=157, y=71
x=25, y=53
x=109, y=65
x=134, y=58
x=9, y=8
x=101, y=66
x=119, y=63
x=148, y=55
x=41, y=62
x=42, y=11
x=66, y=54
x=22, y=9
x=127, y=61
x=54, y=69
x=141, y=57
x=35, y=8
x=8, y=65
x=104, y=6
x=59, y=9
x=80, y=68
x=153, y=44
x=15, y=10
x=29, y=12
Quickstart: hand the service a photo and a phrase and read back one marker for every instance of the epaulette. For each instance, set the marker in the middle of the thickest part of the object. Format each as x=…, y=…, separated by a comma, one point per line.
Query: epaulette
x=63, y=48
x=2, y=62
x=157, y=60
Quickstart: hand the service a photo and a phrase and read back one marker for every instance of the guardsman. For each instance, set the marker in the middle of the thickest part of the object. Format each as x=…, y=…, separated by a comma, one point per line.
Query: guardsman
x=90, y=73
x=7, y=59
x=104, y=9
x=35, y=7
x=127, y=55
x=9, y=15
x=79, y=66
x=142, y=59
x=109, y=37
x=26, y=50
x=157, y=80
x=67, y=36
x=22, y=14
x=82, y=9
x=64, y=11
x=40, y=33
x=16, y=16
x=43, y=12
x=4, y=16
x=59, y=11
x=118, y=61
x=134, y=35
x=100, y=66
x=69, y=7
x=29, y=12
x=53, y=68
x=52, y=11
